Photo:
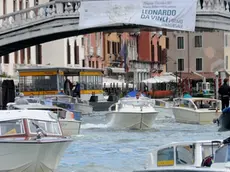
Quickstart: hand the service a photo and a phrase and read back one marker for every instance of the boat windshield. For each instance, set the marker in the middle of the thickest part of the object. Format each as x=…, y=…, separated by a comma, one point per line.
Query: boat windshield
x=12, y=127
x=136, y=103
x=50, y=128
x=206, y=104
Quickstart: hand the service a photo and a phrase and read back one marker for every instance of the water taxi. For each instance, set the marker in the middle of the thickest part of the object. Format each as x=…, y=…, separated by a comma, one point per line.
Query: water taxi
x=132, y=113
x=190, y=156
x=30, y=140
x=196, y=110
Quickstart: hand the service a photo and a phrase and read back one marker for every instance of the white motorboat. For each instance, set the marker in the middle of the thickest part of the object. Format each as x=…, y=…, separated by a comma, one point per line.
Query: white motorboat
x=69, y=125
x=132, y=113
x=30, y=141
x=78, y=104
x=190, y=156
x=196, y=110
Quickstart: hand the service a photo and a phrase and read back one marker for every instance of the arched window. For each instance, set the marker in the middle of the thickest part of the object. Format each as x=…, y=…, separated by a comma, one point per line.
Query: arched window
x=27, y=4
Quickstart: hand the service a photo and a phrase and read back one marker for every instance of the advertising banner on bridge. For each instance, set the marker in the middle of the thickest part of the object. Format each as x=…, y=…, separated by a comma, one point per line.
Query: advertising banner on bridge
x=170, y=14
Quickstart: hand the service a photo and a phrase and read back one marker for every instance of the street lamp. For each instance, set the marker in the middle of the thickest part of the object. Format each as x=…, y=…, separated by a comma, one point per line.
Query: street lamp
x=217, y=84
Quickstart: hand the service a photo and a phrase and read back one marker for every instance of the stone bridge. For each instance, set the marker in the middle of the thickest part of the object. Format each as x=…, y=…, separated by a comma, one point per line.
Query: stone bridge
x=59, y=19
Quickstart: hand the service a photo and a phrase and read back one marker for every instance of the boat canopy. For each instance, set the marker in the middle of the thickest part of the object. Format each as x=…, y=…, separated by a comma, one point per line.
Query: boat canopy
x=164, y=78
x=6, y=115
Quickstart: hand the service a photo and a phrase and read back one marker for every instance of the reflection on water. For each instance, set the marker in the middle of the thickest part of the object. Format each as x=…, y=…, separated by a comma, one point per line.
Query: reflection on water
x=100, y=149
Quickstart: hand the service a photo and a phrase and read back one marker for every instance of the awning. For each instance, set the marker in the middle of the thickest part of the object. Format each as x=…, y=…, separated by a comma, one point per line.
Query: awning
x=164, y=78
x=109, y=82
x=192, y=76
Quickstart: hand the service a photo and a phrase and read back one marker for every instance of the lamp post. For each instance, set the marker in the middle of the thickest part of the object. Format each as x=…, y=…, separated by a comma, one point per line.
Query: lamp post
x=217, y=84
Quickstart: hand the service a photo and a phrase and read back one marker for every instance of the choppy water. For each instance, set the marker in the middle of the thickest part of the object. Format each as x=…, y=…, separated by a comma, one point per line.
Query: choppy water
x=100, y=149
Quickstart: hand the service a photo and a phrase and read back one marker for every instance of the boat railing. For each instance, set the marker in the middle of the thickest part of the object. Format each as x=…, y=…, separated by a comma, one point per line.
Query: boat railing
x=183, y=102
x=139, y=103
x=211, y=104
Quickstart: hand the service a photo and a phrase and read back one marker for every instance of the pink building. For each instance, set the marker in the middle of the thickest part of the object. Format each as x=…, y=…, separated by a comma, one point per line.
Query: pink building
x=94, y=50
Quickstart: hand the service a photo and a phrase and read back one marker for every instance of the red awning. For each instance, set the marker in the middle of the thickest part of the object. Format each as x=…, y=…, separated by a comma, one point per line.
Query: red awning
x=192, y=76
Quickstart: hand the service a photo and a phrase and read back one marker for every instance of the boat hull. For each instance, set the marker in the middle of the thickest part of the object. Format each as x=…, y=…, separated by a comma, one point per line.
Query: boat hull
x=31, y=156
x=70, y=127
x=194, y=169
x=183, y=115
x=131, y=120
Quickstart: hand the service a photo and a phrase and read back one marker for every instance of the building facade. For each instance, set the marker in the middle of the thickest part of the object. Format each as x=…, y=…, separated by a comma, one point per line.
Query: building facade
x=202, y=52
x=63, y=52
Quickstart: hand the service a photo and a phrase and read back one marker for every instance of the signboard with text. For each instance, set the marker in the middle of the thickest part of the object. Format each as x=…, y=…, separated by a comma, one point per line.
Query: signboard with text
x=169, y=14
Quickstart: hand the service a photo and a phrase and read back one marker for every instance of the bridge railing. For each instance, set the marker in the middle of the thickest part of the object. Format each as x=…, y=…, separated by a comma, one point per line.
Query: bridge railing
x=39, y=13
x=57, y=8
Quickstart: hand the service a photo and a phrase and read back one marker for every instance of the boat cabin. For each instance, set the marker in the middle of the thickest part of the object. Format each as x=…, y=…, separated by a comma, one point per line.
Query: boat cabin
x=48, y=80
x=198, y=103
x=195, y=154
x=222, y=157
x=25, y=124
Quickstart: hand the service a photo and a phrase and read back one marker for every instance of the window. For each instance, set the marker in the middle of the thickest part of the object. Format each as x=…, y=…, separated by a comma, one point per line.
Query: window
x=165, y=157
x=108, y=47
x=27, y=4
x=199, y=64
x=6, y=59
x=76, y=53
x=28, y=55
x=38, y=83
x=167, y=43
x=38, y=54
x=4, y=7
x=180, y=42
x=36, y=2
x=93, y=64
x=20, y=5
x=180, y=65
x=226, y=62
x=221, y=153
x=22, y=56
x=185, y=154
x=52, y=128
x=97, y=65
x=198, y=41
x=15, y=6
x=226, y=40
x=68, y=52
x=89, y=63
x=91, y=82
x=12, y=127
x=82, y=41
x=83, y=63
x=16, y=57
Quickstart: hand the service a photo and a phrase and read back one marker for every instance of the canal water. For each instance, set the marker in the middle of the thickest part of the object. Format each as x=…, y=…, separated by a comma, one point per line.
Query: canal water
x=102, y=149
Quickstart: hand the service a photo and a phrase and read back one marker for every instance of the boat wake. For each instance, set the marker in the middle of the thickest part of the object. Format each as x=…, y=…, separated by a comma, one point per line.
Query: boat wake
x=93, y=126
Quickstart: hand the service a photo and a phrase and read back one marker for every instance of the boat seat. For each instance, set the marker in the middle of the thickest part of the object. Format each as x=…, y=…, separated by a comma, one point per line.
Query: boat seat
x=207, y=161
